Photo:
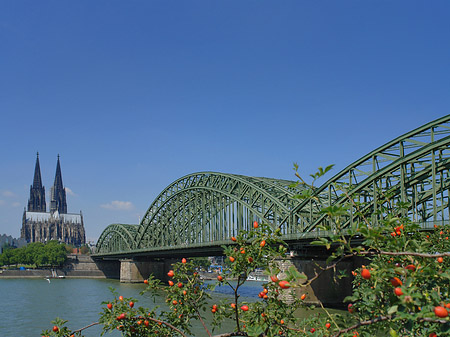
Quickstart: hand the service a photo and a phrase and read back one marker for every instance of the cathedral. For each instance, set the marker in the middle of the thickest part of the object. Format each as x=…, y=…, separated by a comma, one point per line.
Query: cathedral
x=38, y=225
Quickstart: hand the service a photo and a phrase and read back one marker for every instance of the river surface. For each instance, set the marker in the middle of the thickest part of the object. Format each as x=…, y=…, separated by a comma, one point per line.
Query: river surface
x=27, y=306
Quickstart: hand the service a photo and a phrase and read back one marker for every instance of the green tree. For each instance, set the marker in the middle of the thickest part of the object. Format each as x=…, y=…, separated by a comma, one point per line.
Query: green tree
x=55, y=253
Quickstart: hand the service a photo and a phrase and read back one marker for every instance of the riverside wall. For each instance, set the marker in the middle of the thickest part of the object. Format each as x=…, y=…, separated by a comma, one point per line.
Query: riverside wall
x=77, y=266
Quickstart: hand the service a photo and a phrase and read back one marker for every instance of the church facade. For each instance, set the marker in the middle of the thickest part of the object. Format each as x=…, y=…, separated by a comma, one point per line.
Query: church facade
x=38, y=225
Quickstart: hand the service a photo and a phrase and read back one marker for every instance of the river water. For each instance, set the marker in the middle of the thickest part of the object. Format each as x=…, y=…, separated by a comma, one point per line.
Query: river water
x=27, y=306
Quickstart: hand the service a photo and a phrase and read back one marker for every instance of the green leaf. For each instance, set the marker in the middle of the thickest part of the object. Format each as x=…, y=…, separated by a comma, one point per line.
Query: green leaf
x=393, y=333
x=393, y=309
x=318, y=243
x=255, y=331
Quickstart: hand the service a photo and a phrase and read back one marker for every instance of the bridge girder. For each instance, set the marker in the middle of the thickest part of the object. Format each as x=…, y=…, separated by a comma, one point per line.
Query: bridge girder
x=393, y=168
x=207, y=208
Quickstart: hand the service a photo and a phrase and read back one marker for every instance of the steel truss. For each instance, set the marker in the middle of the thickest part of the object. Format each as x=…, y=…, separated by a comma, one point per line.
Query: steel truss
x=207, y=208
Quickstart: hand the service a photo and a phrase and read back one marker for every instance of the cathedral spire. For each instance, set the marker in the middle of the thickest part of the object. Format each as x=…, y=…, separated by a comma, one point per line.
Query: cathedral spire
x=36, y=203
x=58, y=193
x=37, y=181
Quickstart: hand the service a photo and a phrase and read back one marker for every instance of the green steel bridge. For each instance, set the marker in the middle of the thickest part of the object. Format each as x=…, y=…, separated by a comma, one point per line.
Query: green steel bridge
x=198, y=213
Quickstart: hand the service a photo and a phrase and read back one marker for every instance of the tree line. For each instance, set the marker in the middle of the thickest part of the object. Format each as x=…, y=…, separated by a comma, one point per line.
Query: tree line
x=52, y=254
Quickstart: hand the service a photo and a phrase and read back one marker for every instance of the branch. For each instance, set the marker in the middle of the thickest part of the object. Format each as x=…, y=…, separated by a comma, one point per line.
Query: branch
x=323, y=269
x=384, y=318
x=427, y=319
x=168, y=324
x=201, y=320
x=425, y=255
x=87, y=326
x=229, y=334
x=362, y=323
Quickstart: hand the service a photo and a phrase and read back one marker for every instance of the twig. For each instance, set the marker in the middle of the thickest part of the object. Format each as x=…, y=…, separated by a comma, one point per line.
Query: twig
x=87, y=326
x=382, y=252
x=230, y=334
x=362, y=323
x=201, y=320
x=168, y=324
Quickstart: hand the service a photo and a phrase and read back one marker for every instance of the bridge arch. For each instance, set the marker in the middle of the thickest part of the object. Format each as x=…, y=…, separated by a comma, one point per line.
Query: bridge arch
x=116, y=238
x=211, y=207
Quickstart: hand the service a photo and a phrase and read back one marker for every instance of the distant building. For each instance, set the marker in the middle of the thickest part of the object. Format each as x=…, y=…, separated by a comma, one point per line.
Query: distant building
x=38, y=225
x=8, y=240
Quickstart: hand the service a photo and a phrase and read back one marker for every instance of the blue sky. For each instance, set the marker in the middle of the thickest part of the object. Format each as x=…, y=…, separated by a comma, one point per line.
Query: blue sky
x=135, y=94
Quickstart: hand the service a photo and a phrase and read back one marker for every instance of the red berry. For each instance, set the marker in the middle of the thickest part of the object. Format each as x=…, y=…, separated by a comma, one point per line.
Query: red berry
x=171, y=283
x=440, y=312
x=395, y=281
x=327, y=325
x=411, y=267
x=183, y=260
x=350, y=308
x=398, y=291
x=233, y=239
x=131, y=304
x=255, y=224
x=120, y=298
x=231, y=259
x=303, y=297
x=146, y=281
x=274, y=278
x=312, y=330
x=180, y=285
x=146, y=323
x=109, y=305
x=263, y=243
x=244, y=308
x=170, y=273
x=284, y=284
x=55, y=329
x=220, y=278
x=250, y=259
x=365, y=273
x=440, y=259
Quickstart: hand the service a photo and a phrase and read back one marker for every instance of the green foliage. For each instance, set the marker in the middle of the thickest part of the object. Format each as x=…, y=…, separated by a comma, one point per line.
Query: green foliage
x=52, y=254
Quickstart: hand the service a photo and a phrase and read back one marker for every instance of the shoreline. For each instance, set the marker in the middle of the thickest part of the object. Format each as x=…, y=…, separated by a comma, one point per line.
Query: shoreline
x=47, y=273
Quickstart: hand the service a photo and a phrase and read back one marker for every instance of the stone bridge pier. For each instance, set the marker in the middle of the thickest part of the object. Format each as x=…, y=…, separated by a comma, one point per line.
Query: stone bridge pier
x=327, y=287
x=136, y=271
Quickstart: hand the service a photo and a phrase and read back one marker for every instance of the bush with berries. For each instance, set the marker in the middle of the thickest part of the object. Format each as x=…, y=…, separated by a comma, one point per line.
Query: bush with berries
x=402, y=290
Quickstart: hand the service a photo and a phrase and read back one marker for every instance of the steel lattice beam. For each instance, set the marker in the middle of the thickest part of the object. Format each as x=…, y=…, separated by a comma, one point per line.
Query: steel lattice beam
x=205, y=209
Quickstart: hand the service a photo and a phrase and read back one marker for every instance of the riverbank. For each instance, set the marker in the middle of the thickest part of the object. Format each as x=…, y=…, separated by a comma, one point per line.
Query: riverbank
x=76, y=266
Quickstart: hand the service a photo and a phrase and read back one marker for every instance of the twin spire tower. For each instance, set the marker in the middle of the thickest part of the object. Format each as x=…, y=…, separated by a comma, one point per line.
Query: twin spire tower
x=36, y=203
x=38, y=225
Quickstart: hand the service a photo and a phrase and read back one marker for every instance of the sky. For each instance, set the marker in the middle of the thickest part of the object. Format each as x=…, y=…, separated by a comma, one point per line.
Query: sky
x=136, y=94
